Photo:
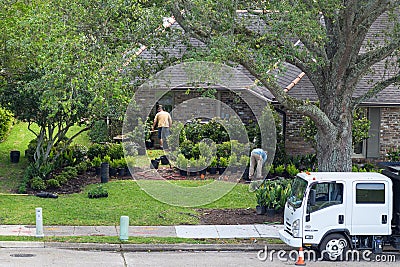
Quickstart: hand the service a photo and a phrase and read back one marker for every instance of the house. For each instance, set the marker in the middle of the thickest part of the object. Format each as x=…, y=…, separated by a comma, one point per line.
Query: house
x=383, y=110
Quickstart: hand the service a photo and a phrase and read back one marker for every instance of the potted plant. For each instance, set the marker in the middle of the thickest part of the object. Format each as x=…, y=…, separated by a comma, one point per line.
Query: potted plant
x=202, y=165
x=223, y=163
x=192, y=167
x=212, y=169
x=121, y=167
x=233, y=160
x=113, y=167
x=182, y=164
x=261, y=196
x=96, y=163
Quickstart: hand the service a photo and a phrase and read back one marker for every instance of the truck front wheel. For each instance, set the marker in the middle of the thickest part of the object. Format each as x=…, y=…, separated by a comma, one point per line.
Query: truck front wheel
x=334, y=247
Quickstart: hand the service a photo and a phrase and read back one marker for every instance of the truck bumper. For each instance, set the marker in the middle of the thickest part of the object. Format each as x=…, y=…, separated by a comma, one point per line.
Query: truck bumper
x=290, y=240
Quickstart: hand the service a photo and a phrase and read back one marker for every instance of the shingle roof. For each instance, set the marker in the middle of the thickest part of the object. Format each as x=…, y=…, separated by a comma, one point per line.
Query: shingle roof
x=303, y=89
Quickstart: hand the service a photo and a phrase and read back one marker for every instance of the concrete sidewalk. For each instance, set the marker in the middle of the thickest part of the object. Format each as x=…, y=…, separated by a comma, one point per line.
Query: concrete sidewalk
x=183, y=231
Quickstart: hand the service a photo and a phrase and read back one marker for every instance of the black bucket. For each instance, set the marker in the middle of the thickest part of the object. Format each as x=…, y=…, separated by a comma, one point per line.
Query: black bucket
x=105, y=172
x=14, y=156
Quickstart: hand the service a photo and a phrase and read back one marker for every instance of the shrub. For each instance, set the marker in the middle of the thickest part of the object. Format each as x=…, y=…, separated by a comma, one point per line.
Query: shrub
x=53, y=183
x=279, y=169
x=97, y=150
x=393, y=154
x=82, y=167
x=224, y=150
x=223, y=162
x=292, y=170
x=62, y=178
x=116, y=151
x=79, y=153
x=70, y=172
x=37, y=183
x=96, y=162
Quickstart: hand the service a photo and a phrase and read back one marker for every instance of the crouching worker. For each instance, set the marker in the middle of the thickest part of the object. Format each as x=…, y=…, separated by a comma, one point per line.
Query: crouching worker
x=258, y=158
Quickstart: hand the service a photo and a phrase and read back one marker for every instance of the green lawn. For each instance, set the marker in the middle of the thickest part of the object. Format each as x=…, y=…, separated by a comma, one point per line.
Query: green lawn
x=11, y=173
x=125, y=198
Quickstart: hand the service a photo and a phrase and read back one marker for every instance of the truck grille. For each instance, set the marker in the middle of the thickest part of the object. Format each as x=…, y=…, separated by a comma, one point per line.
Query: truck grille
x=288, y=227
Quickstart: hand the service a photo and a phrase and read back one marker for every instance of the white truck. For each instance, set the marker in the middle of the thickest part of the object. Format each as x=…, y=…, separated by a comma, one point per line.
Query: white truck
x=333, y=212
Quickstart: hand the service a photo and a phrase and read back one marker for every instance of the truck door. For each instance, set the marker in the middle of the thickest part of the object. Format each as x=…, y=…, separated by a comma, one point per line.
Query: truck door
x=370, y=208
x=327, y=213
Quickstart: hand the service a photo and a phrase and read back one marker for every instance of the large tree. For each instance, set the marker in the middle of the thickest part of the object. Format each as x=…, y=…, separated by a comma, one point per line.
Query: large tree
x=327, y=40
x=60, y=65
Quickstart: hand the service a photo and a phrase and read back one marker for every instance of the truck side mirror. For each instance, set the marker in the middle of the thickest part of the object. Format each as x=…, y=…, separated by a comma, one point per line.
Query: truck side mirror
x=312, y=197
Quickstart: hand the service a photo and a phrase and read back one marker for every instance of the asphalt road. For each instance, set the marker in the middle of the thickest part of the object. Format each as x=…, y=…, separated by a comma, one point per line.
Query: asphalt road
x=42, y=257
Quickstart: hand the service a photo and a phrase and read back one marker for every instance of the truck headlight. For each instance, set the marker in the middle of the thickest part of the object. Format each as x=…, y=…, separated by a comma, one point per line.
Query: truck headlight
x=296, y=228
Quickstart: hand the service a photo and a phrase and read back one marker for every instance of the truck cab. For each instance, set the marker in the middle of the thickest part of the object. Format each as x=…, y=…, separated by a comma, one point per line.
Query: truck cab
x=335, y=211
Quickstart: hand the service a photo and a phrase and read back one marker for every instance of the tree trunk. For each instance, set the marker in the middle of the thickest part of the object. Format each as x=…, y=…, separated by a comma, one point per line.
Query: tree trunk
x=334, y=145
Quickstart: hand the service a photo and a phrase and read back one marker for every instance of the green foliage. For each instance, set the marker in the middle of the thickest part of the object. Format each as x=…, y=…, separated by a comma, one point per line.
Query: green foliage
x=106, y=159
x=182, y=162
x=96, y=162
x=82, y=167
x=360, y=128
x=98, y=133
x=75, y=154
x=97, y=150
x=53, y=183
x=37, y=183
x=223, y=162
x=115, y=151
x=273, y=193
x=292, y=170
x=98, y=192
x=279, y=169
x=393, y=154
x=6, y=120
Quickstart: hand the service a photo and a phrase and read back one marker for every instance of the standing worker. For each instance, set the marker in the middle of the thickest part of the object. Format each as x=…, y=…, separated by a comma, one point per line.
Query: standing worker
x=163, y=121
x=258, y=157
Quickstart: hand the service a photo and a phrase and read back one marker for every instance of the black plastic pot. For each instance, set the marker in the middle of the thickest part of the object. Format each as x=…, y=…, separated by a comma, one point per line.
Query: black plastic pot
x=260, y=210
x=183, y=172
x=212, y=170
x=164, y=160
x=221, y=170
x=154, y=163
x=14, y=156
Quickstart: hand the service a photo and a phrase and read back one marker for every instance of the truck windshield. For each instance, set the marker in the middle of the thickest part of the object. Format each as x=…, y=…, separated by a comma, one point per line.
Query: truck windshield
x=296, y=196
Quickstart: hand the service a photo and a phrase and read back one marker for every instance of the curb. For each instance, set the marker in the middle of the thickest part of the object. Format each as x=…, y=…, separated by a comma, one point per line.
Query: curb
x=144, y=247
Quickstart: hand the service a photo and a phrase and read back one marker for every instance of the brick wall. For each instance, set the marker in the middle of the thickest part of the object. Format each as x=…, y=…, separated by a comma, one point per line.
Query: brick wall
x=294, y=143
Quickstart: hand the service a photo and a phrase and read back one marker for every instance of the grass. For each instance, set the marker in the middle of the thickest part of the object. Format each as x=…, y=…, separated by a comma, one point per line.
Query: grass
x=125, y=198
x=140, y=240
x=11, y=173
